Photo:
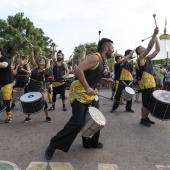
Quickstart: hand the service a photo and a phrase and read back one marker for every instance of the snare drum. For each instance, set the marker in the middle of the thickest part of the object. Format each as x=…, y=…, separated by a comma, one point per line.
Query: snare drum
x=127, y=93
x=17, y=93
x=32, y=102
x=2, y=105
x=159, y=105
x=94, y=121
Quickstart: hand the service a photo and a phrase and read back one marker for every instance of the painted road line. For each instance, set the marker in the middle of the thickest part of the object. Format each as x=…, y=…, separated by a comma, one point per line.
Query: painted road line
x=60, y=166
x=161, y=167
x=8, y=165
x=108, y=167
x=37, y=166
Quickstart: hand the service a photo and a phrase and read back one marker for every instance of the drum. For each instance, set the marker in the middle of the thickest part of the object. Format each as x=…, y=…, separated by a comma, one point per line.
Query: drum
x=94, y=121
x=2, y=105
x=69, y=76
x=32, y=102
x=17, y=93
x=159, y=105
x=127, y=93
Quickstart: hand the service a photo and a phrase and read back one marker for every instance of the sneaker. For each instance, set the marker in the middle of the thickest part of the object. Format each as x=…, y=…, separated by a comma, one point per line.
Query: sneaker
x=8, y=120
x=130, y=110
x=51, y=108
x=64, y=109
x=98, y=146
x=144, y=122
x=12, y=106
x=48, y=119
x=27, y=119
x=150, y=121
x=49, y=153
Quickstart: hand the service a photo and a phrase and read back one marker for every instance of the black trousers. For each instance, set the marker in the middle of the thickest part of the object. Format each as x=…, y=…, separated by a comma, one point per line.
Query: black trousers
x=64, y=139
x=122, y=86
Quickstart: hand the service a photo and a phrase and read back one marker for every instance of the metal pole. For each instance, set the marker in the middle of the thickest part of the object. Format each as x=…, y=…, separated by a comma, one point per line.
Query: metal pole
x=167, y=58
x=99, y=35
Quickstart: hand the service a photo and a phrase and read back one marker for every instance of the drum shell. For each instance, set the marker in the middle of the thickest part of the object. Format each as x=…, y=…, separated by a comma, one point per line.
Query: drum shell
x=159, y=109
x=90, y=127
x=33, y=107
x=17, y=93
x=125, y=95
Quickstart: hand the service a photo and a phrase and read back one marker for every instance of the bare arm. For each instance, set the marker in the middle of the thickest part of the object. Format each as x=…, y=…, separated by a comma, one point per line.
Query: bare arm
x=32, y=56
x=157, y=49
x=66, y=67
x=148, y=49
x=88, y=63
x=3, y=64
x=127, y=57
x=84, y=53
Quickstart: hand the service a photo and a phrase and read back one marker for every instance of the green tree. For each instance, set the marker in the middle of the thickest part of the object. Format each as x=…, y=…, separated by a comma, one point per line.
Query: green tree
x=13, y=31
x=78, y=51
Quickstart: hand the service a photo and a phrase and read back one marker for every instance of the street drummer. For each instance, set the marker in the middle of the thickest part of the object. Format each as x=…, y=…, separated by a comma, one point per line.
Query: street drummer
x=81, y=94
x=59, y=70
x=147, y=81
x=37, y=80
x=21, y=72
x=126, y=79
x=6, y=83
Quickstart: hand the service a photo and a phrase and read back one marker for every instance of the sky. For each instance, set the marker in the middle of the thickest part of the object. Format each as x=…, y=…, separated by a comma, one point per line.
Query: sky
x=72, y=22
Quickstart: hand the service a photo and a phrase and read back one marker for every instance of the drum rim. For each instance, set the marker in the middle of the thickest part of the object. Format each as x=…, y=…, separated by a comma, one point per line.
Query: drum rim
x=159, y=100
x=30, y=101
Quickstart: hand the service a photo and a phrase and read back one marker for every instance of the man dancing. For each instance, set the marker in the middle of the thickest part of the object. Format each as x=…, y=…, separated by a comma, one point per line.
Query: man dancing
x=125, y=79
x=147, y=81
x=82, y=92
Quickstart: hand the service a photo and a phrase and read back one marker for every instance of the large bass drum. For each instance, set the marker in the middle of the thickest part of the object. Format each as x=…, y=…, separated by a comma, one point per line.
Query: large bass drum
x=32, y=102
x=94, y=121
x=159, y=105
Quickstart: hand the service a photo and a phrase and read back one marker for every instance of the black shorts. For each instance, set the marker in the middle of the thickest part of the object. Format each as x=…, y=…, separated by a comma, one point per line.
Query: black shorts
x=146, y=96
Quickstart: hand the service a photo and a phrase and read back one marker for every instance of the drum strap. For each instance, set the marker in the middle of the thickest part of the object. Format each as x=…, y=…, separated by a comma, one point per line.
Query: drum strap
x=126, y=84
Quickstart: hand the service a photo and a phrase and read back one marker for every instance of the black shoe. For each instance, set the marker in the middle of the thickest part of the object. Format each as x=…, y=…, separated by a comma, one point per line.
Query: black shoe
x=130, y=110
x=48, y=119
x=51, y=108
x=144, y=122
x=12, y=106
x=111, y=98
x=49, y=153
x=27, y=119
x=113, y=109
x=64, y=109
x=98, y=146
x=150, y=121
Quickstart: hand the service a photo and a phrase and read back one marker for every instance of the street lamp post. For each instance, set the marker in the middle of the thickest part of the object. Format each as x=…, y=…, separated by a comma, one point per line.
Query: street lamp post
x=99, y=35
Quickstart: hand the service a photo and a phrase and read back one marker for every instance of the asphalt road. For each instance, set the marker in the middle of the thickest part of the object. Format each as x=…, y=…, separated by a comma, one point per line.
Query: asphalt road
x=127, y=144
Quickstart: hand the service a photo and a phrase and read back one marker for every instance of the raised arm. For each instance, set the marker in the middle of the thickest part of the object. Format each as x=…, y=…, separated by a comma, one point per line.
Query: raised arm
x=33, y=62
x=157, y=49
x=150, y=45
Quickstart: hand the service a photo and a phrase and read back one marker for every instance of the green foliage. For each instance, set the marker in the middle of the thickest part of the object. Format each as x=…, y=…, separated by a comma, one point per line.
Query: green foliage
x=78, y=51
x=13, y=31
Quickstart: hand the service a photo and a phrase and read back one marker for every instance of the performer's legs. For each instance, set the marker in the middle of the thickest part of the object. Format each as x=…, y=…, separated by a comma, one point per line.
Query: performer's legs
x=53, y=98
x=66, y=136
x=117, y=96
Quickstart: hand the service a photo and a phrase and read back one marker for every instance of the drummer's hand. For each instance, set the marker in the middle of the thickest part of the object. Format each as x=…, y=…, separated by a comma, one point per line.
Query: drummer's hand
x=90, y=91
x=110, y=80
x=31, y=46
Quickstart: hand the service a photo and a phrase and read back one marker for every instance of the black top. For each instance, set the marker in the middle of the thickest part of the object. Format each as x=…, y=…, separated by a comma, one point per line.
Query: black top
x=118, y=69
x=5, y=73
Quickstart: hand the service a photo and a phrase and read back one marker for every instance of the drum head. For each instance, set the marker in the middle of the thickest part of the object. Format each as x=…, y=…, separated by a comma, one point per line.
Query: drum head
x=130, y=90
x=162, y=95
x=97, y=116
x=30, y=97
x=68, y=76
